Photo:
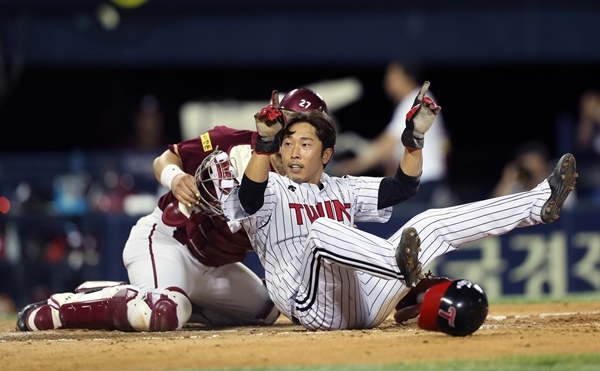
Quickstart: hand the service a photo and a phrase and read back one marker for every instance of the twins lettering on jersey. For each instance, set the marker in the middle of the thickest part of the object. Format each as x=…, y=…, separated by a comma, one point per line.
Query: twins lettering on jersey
x=333, y=209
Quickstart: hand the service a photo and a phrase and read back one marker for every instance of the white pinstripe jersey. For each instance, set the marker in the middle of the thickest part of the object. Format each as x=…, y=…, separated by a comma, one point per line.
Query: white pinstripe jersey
x=278, y=231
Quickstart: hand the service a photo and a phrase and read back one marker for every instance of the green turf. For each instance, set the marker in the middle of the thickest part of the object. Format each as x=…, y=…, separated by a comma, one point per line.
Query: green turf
x=585, y=362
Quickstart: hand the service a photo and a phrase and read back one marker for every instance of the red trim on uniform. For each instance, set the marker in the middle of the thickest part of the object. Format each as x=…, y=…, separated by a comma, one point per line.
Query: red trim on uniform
x=431, y=305
x=152, y=255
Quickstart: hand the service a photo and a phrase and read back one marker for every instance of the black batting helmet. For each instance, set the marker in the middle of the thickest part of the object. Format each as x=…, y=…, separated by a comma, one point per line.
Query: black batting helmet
x=302, y=100
x=457, y=308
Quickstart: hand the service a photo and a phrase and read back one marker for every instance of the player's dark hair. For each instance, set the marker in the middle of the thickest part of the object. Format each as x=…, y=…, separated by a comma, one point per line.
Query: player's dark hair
x=323, y=124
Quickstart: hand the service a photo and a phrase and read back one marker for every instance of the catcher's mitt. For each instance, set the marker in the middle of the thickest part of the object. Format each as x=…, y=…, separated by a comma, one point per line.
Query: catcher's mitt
x=409, y=306
x=211, y=242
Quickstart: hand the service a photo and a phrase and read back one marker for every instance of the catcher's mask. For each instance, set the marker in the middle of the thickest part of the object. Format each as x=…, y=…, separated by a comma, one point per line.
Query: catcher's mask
x=215, y=177
x=457, y=308
x=302, y=100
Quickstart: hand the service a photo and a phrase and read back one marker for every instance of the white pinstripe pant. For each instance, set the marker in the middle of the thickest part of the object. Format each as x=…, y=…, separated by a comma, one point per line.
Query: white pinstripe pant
x=350, y=278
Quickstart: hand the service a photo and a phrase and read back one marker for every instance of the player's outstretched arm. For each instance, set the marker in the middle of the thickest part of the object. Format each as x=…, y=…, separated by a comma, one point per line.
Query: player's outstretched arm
x=258, y=167
x=269, y=122
x=412, y=162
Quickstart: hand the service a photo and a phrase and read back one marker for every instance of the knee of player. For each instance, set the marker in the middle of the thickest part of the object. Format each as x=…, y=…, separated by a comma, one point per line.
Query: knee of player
x=321, y=223
x=164, y=310
x=319, y=226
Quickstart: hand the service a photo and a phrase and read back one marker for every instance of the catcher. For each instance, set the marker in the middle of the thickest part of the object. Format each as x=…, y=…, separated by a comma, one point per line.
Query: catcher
x=181, y=259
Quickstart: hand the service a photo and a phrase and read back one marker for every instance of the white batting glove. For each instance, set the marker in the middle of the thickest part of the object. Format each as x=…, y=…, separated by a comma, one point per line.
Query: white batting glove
x=419, y=119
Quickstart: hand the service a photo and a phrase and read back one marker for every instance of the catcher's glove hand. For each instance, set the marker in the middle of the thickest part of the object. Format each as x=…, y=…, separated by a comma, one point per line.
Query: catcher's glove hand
x=419, y=119
x=269, y=122
x=409, y=306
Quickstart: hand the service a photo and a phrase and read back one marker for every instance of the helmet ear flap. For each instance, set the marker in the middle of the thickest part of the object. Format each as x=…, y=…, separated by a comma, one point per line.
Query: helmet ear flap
x=430, y=306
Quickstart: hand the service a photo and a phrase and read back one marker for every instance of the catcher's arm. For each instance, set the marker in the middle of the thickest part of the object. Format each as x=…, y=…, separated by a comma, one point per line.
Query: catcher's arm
x=167, y=170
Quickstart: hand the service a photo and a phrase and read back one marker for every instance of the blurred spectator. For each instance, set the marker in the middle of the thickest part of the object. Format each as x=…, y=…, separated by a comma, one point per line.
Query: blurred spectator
x=588, y=128
x=402, y=82
x=588, y=146
x=148, y=126
x=531, y=164
x=528, y=167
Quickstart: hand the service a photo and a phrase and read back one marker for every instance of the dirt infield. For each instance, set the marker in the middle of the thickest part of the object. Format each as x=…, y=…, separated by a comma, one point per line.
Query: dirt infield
x=528, y=329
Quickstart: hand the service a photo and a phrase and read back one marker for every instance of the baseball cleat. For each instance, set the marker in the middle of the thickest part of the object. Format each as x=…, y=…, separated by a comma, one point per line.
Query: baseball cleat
x=407, y=256
x=562, y=181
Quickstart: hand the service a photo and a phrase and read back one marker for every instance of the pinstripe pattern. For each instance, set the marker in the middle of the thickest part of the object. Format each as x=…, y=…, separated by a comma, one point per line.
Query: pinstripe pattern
x=443, y=230
x=332, y=276
x=279, y=230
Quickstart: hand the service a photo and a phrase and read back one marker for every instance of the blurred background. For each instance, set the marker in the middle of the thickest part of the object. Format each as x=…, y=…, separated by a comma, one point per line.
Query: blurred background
x=91, y=91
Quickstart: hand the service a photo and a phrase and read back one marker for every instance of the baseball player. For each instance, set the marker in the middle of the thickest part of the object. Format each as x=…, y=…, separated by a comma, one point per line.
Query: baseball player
x=182, y=258
x=325, y=274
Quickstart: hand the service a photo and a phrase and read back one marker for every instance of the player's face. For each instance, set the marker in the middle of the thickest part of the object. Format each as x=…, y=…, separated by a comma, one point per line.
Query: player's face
x=302, y=154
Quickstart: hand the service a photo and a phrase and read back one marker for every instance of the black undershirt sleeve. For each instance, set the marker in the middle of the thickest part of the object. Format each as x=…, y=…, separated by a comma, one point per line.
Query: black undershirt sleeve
x=252, y=194
x=396, y=189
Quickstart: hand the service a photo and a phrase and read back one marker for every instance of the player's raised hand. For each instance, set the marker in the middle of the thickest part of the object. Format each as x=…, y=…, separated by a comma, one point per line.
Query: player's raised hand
x=269, y=121
x=419, y=119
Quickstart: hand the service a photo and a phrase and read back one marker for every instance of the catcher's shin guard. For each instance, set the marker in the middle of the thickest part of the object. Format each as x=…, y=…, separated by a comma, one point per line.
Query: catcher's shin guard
x=127, y=310
x=113, y=308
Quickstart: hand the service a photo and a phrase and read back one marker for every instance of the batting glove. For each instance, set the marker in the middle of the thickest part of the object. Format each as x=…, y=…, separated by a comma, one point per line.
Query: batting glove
x=419, y=119
x=269, y=122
